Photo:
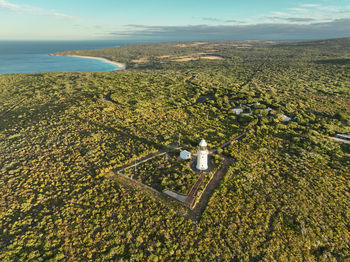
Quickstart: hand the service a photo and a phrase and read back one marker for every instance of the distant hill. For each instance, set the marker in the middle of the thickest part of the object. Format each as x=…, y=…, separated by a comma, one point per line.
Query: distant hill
x=340, y=46
x=150, y=53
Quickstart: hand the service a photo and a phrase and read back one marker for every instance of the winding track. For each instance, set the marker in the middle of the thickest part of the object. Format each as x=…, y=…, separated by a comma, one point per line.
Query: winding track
x=198, y=210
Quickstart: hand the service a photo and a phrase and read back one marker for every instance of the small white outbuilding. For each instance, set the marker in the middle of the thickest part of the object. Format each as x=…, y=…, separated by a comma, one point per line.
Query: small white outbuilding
x=185, y=155
x=285, y=118
x=237, y=110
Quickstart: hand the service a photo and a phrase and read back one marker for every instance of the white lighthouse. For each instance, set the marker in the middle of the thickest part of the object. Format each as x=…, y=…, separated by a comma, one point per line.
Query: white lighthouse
x=202, y=156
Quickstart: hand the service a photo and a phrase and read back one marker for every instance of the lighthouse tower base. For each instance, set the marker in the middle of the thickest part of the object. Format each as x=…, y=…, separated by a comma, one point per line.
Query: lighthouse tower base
x=210, y=162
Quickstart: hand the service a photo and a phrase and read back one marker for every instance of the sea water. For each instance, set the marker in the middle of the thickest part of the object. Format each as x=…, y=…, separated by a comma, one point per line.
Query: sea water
x=33, y=56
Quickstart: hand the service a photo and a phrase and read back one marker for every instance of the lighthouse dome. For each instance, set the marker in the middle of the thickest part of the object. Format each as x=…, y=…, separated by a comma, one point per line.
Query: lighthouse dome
x=203, y=143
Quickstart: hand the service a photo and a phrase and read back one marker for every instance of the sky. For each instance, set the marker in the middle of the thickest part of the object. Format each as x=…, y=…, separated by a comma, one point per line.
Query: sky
x=173, y=19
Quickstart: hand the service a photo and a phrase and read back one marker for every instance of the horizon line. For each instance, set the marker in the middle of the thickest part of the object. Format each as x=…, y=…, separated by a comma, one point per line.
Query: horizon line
x=168, y=40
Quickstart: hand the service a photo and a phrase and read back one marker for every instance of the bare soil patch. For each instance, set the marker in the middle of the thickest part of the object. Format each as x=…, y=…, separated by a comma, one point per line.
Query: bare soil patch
x=212, y=57
x=163, y=56
x=192, y=44
x=141, y=60
x=185, y=59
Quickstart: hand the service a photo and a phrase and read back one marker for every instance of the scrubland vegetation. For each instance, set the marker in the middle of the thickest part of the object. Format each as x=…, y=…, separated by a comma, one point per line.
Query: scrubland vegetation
x=286, y=196
x=165, y=172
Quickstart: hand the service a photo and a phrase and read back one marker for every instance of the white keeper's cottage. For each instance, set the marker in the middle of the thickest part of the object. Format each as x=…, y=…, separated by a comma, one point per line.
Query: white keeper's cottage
x=185, y=155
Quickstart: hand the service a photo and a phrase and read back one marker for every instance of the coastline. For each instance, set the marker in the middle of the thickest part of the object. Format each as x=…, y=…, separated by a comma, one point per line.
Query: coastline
x=120, y=66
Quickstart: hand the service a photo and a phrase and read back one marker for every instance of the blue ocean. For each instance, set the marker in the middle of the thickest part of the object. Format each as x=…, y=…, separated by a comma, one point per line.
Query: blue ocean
x=33, y=56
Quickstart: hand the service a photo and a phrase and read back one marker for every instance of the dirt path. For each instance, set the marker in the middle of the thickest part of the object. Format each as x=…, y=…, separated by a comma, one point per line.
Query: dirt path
x=193, y=192
x=5, y=111
x=196, y=213
x=229, y=143
x=258, y=69
x=146, y=158
x=141, y=161
x=204, y=98
x=109, y=99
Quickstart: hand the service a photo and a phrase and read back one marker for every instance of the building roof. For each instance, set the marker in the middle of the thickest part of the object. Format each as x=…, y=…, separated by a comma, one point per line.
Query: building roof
x=285, y=118
x=203, y=143
x=343, y=136
x=237, y=110
x=185, y=152
x=256, y=103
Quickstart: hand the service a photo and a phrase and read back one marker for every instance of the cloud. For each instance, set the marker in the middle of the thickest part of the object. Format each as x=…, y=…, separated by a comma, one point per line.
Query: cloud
x=264, y=31
x=307, y=14
x=217, y=20
x=293, y=19
x=4, y=4
x=232, y=21
x=299, y=19
x=211, y=19
x=280, y=14
x=298, y=10
x=33, y=10
x=310, y=5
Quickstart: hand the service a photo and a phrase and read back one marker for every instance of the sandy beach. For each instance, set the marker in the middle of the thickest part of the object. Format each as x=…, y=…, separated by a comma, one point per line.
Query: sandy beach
x=120, y=66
